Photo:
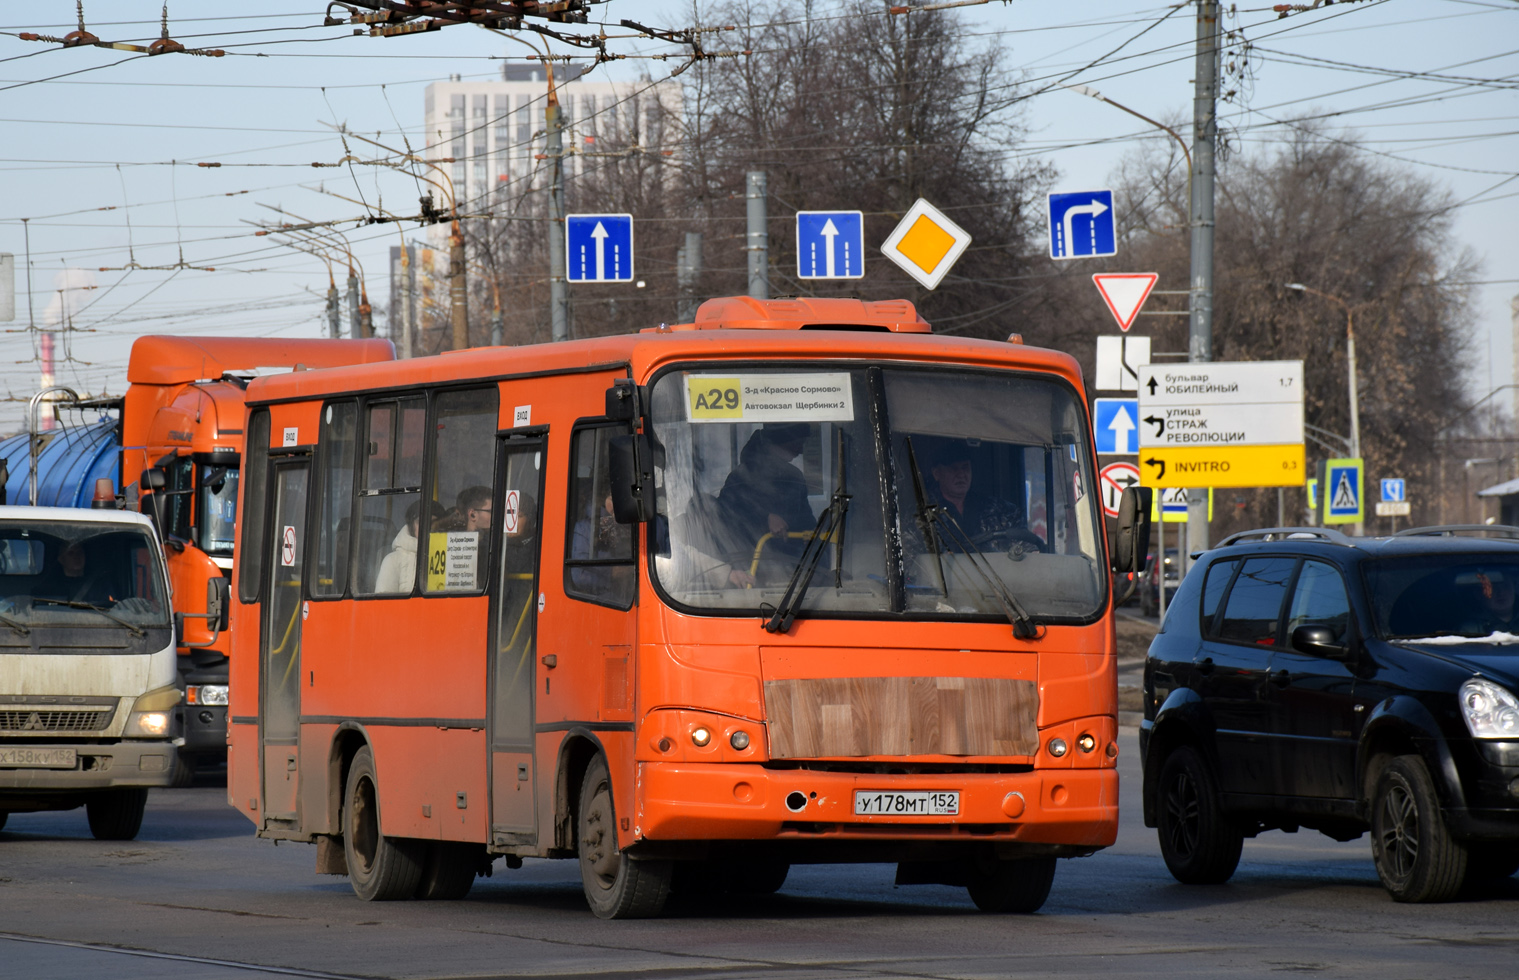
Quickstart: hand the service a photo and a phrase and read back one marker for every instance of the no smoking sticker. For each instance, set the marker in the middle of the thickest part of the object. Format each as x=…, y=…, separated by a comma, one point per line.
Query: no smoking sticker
x=513, y=510
x=287, y=546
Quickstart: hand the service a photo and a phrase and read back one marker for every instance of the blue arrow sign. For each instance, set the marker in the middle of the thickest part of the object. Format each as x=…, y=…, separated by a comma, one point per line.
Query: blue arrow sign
x=598, y=247
x=1082, y=225
x=830, y=245
x=1394, y=491
x=1115, y=421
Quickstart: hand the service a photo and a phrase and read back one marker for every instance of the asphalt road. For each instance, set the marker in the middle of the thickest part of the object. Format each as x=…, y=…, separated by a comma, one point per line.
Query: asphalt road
x=197, y=896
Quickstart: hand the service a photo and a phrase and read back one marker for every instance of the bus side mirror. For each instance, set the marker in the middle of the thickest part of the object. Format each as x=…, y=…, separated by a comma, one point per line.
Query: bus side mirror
x=631, y=479
x=622, y=400
x=1131, y=538
x=153, y=479
x=216, y=603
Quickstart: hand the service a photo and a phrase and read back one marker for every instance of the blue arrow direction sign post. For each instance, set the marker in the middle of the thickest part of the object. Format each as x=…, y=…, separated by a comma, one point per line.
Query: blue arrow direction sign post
x=1394, y=491
x=598, y=247
x=1082, y=225
x=830, y=245
x=1115, y=421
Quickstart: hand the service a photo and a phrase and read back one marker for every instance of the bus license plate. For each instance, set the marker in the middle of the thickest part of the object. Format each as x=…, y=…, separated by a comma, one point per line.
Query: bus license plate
x=909, y=803
x=21, y=757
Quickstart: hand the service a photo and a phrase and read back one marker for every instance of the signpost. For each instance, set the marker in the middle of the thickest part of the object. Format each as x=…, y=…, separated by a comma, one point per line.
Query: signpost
x=1344, y=499
x=1113, y=479
x=926, y=244
x=1394, y=491
x=1119, y=359
x=1113, y=424
x=1082, y=225
x=1221, y=424
x=1125, y=293
x=598, y=247
x=830, y=245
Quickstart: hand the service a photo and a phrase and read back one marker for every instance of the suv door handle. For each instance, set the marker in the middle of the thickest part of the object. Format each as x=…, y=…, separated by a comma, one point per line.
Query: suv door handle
x=1281, y=678
x=1205, y=666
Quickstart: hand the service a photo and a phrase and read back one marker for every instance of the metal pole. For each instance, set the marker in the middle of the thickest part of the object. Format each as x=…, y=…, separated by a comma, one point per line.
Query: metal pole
x=355, y=317
x=408, y=301
x=1355, y=407
x=334, y=326
x=1160, y=568
x=31, y=430
x=559, y=296
x=758, y=243
x=1204, y=134
x=458, y=295
x=687, y=270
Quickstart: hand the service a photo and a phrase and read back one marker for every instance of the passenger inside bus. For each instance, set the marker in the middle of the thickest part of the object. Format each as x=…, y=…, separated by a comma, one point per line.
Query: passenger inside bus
x=399, y=568
x=766, y=495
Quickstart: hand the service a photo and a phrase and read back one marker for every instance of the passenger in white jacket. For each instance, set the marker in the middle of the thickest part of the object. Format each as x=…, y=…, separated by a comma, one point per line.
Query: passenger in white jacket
x=398, y=569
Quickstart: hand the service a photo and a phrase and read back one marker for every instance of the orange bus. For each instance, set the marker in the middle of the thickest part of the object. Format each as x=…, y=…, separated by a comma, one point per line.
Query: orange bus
x=183, y=417
x=796, y=582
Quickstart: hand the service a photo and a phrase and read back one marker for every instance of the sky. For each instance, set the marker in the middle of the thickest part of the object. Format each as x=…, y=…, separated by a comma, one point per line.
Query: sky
x=129, y=234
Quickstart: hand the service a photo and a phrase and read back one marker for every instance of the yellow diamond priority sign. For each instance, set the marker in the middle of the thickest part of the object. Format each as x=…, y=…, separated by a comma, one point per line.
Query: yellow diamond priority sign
x=926, y=244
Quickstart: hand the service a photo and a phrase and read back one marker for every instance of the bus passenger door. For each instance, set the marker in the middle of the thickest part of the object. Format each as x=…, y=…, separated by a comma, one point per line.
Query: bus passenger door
x=280, y=649
x=513, y=640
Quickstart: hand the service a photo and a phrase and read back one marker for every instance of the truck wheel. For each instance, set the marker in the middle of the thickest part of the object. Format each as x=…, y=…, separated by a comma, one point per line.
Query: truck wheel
x=380, y=868
x=616, y=886
x=1019, y=886
x=1199, y=843
x=116, y=814
x=1416, y=857
x=448, y=870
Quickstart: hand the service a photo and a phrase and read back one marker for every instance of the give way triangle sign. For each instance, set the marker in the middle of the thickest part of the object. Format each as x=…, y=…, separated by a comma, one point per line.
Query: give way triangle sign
x=1125, y=293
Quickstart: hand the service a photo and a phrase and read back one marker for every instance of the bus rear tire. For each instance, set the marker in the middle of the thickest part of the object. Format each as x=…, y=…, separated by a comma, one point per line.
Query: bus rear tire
x=116, y=814
x=448, y=870
x=616, y=886
x=1019, y=886
x=380, y=868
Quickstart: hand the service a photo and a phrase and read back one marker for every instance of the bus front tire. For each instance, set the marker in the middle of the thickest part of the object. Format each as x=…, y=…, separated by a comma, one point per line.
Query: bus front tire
x=380, y=868
x=1019, y=886
x=116, y=814
x=448, y=870
x=616, y=886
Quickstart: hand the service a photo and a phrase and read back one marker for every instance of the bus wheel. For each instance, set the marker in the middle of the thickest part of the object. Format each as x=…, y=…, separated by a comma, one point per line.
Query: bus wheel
x=616, y=886
x=1012, y=886
x=116, y=814
x=381, y=869
x=448, y=869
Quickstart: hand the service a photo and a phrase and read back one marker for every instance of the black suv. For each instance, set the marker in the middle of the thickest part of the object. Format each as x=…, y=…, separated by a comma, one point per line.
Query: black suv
x=1303, y=678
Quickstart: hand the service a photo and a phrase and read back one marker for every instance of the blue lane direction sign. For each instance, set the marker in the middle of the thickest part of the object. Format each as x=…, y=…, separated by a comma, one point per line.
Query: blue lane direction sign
x=1082, y=225
x=598, y=247
x=1394, y=491
x=1116, y=421
x=830, y=245
x=1344, y=494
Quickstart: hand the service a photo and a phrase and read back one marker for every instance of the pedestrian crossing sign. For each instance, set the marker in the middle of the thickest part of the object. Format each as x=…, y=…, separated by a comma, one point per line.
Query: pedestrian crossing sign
x=1344, y=491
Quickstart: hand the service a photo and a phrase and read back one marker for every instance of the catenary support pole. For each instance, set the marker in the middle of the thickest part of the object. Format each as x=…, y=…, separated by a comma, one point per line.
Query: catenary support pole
x=559, y=296
x=758, y=242
x=688, y=262
x=334, y=315
x=355, y=316
x=1204, y=136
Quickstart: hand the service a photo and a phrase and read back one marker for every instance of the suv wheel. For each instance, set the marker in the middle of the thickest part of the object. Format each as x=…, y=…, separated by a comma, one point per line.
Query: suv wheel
x=1416, y=857
x=1201, y=846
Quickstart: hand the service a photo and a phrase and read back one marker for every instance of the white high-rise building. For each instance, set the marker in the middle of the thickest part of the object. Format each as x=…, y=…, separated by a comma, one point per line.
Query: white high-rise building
x=494, y=131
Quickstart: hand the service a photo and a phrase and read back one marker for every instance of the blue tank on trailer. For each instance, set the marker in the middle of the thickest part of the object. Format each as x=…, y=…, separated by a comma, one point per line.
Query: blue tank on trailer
x=71, y=460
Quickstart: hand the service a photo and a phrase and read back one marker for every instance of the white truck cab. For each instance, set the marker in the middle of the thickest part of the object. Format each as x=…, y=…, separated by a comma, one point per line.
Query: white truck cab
x=87, y=665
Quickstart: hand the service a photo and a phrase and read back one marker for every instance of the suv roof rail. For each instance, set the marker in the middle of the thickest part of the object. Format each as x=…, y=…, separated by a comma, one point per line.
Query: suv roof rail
x=1325, y=534
x=1451, y=530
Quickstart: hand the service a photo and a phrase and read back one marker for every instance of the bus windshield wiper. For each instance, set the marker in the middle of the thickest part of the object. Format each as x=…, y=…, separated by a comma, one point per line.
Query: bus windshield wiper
x=136, y=630
x=18, y=627
x=830, y=526
x=936, y=518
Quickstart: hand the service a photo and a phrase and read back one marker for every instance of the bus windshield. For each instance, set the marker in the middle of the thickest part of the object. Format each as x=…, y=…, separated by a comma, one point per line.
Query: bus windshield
x=937, y=493
x=61, y=574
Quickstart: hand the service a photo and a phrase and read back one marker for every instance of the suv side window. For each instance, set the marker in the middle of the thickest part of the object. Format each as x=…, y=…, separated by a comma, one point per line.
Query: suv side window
x=1217, y=581
x=1253, y=610
x=1320, y=600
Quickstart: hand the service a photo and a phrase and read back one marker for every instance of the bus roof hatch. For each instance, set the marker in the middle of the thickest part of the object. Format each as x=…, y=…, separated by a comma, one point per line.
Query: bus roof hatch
x=748, y=313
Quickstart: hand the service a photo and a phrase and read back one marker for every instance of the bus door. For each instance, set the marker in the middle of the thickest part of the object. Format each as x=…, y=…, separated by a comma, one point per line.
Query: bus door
x=513, y=639
x=280, y=650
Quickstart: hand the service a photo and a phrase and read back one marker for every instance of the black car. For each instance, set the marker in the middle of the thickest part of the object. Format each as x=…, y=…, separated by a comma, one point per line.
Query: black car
x=1303, y=678
x=1149, y=585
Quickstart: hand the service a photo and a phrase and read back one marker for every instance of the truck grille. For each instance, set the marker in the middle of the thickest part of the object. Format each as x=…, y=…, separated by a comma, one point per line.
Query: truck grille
x=15, y=721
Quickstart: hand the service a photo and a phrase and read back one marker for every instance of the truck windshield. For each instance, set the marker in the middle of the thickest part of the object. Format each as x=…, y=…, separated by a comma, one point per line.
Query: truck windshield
x=218, y=509
x=52, y=572
x=1470, y=595
x=948, y=492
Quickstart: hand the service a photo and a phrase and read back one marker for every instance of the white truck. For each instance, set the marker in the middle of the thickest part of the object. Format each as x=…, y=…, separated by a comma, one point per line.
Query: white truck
x=87, y=665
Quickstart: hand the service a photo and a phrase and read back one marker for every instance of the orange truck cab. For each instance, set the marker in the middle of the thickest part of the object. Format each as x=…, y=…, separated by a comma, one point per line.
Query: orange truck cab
x=182, y=418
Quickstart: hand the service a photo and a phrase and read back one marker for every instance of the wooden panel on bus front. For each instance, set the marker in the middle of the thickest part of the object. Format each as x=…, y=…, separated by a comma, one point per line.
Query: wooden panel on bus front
x=848, y=717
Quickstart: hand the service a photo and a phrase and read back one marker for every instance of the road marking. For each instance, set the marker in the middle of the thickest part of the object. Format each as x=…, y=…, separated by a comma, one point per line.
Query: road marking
x=153, y=955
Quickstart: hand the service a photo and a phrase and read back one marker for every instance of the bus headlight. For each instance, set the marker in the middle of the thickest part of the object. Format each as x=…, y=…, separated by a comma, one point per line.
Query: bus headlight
x=151, y=716
x=1491, y=711
x=701, y=736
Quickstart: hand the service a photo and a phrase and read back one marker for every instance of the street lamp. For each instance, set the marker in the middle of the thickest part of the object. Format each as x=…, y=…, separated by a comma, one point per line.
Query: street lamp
x=1355, y=404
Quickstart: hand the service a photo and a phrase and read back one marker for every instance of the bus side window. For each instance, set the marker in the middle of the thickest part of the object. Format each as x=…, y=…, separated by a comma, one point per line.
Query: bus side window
x=600, y=565
x=335, y=471
x=462, y=490
x=249, y=570
x=390, y=498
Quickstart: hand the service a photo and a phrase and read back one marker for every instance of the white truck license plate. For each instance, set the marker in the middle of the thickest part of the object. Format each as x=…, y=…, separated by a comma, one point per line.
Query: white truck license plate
x=907, y=803
x=23, y=757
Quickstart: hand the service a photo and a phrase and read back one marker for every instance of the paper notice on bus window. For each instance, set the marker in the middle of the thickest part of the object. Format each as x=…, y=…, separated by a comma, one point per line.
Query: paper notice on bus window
x=798, y=397
x=453, y=561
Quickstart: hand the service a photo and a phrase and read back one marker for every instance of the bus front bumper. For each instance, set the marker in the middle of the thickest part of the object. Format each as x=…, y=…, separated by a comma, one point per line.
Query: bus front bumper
x=692, y=801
